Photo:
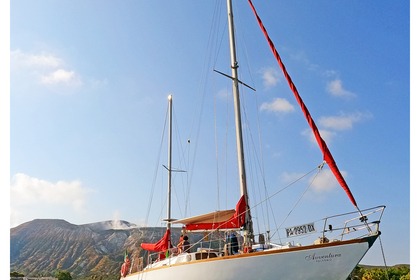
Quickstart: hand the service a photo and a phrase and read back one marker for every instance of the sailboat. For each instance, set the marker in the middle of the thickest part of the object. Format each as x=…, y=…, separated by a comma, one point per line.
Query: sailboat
x=339, y=244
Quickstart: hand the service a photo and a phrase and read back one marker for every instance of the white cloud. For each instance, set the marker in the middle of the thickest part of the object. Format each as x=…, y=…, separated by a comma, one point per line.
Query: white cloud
x=29, y=194
x=335, y=88
x=61, y=76
x=21, y=60
x=329, y=125
x=45, y=68
x=270, y=77
x=325, y=181
x=278, y=105
x=343, y=122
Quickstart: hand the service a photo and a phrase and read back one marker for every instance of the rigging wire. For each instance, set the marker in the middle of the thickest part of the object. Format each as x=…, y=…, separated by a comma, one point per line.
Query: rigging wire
x=260, y=166
x=202, y=90
x=182, y=162
x=319, y=167
x=156, y=168
x=217, y=152
x=302, y=195
x=222, y=35
x=383, y=256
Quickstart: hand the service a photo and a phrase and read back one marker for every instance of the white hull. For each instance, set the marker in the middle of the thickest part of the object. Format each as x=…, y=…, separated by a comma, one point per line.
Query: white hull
x=333, y=261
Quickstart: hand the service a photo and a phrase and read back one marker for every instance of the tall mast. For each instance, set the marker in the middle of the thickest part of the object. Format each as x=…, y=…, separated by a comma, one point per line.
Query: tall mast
x=168, y=224
x=238, y=123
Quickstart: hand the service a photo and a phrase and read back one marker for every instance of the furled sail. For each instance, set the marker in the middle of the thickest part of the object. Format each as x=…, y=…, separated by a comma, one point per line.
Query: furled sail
x=321, y=143
x=226, y=219
x=161, y=246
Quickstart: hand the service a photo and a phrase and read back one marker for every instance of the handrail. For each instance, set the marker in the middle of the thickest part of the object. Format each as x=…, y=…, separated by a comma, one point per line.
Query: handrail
x=357, y=223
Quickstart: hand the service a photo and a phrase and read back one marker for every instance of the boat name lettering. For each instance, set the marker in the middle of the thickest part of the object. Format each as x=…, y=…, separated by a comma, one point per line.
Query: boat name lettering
x=300, y=230
x=322, y=258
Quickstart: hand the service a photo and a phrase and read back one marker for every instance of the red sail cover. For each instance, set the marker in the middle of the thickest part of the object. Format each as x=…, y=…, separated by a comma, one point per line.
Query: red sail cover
x=237, y=220
x=160, y=246
x=321, y=143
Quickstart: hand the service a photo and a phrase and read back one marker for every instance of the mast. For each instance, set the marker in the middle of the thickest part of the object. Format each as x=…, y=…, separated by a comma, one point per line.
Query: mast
x=168, y=223
x=169, y=219
x=238, y=124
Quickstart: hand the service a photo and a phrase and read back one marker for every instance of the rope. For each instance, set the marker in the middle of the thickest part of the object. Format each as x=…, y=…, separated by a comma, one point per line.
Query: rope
x=383, y=256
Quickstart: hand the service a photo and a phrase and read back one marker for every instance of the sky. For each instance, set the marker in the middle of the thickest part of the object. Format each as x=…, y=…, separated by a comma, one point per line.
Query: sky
x=89, y=82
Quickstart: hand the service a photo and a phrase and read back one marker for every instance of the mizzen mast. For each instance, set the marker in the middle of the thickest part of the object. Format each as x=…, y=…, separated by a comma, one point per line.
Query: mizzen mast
x=169, y=218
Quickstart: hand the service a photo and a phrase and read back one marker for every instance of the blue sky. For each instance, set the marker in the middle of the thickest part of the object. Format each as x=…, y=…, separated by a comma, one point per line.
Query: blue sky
x=88, y=88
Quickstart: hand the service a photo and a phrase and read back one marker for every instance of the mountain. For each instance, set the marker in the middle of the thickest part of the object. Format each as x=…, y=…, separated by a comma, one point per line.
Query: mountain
x=89, y=251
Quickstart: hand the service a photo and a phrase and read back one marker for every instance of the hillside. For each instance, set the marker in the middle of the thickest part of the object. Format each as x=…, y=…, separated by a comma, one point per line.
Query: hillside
x=41, y=247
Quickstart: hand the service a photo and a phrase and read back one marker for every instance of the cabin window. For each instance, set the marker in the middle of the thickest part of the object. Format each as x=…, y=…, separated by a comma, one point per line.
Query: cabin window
x=205, y=255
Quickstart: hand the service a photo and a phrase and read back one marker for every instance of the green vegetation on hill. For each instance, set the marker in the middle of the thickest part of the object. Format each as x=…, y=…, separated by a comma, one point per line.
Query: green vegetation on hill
x=397, y=272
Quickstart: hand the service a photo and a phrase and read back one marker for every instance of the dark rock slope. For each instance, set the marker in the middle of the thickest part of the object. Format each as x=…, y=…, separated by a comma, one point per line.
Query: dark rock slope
x=41, y=247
